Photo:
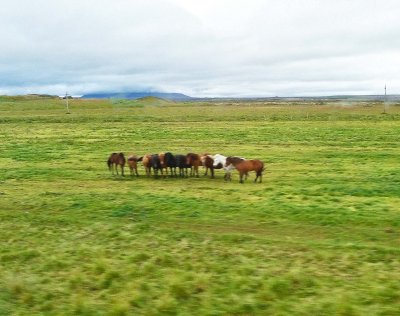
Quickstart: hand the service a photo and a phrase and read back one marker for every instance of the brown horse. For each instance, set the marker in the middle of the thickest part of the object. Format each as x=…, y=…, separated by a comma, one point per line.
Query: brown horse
x=194, y=161
x=132, y=164
x=163, y=163
x=146, y=160
x=244, y=166
x=116, y=160
x=207, y=161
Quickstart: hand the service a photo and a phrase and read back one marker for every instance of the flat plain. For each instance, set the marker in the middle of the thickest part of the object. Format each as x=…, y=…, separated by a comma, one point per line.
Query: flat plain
x=319, y=236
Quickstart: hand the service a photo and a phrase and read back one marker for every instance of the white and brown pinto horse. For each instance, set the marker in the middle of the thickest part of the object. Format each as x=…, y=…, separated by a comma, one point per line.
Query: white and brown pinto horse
x=244, y=166
x=220, y=163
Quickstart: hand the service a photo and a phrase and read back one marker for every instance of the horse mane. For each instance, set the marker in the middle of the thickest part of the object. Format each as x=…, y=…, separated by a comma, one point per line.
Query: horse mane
x=192, y=155
x=235, y=160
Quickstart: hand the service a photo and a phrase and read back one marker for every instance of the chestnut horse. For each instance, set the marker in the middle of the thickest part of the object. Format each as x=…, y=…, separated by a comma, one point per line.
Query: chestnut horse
x=220, y=162
x=244, y=166
x=132, y=164
x=207, y=161
x=193, y=160
x=146, y=160
x=116, y=160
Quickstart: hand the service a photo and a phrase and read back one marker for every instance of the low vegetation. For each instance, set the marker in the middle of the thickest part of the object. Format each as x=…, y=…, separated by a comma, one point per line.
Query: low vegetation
x=319, y=236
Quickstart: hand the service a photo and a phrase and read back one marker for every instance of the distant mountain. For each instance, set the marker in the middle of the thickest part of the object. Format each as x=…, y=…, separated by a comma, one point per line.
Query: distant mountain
x=137, y=95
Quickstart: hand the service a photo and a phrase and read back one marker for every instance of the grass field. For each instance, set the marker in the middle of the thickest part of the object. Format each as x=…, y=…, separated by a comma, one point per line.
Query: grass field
x=319, y=236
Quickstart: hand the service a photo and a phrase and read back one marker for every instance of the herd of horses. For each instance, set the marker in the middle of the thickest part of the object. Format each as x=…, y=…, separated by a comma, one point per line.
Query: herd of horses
x=168, y=164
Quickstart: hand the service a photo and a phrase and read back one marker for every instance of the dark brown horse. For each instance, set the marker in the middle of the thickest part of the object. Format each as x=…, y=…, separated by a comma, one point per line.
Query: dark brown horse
x=132, y=164
x=207, y=161
x=244, y=166
x=194, y=161
x=116, y=160
x=168, y=160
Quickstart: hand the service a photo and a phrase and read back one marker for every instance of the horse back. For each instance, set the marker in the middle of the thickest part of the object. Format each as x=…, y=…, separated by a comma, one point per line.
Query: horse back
x=257, y=165
x=121, y=159
x=193, y=159
x=146, y=160
x=170, y=160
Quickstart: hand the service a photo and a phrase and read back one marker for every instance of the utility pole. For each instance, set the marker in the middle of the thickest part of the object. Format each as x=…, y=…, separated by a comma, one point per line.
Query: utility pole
x=384, y=102
x=66, y=102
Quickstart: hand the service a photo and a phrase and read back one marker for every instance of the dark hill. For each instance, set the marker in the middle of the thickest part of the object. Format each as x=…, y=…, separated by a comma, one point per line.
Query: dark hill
x=137, y=95
x=154, y=101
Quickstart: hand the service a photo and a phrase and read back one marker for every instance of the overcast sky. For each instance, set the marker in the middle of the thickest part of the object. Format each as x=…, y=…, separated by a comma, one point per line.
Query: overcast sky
x=200, y=47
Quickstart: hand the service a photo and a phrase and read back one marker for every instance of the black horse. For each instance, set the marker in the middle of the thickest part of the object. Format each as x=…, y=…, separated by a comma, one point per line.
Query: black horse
x=170, y=162
x=156, y=165
x=182, y=165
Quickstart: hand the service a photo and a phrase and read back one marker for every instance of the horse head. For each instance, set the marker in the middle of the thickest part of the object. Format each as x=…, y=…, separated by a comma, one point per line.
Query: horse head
x=162, y=159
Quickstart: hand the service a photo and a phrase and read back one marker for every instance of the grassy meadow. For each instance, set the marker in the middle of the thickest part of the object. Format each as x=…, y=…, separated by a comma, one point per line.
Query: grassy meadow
x=319, y=236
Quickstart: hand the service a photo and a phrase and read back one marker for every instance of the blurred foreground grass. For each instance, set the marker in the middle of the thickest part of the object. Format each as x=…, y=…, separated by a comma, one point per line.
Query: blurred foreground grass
x=320, y=235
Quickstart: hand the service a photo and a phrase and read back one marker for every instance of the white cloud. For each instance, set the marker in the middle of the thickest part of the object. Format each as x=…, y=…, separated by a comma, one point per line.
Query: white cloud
x=202, y=48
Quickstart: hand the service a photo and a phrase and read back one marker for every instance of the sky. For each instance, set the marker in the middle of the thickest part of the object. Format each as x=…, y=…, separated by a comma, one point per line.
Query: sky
x=202, y=48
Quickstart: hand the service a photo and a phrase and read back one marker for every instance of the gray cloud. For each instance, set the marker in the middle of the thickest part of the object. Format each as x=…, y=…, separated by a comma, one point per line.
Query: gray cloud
x=242, y=48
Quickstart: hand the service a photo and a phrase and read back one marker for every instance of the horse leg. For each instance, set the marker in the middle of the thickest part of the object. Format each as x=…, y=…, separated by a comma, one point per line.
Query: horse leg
x=206, y=171
x=241, y=176
x=122, y=170
x=259, y=175
x=196, y=171
x=116, y=169
x=212, y=172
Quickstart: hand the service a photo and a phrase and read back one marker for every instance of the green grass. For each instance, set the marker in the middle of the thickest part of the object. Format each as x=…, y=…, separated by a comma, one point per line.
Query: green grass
x=319, y=236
